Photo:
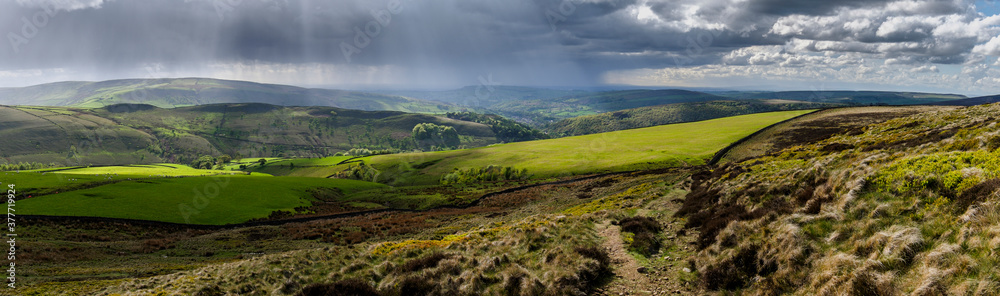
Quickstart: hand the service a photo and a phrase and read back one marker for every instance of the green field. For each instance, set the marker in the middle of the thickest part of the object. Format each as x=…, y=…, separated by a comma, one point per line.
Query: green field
x=197, y=200
x=654, y=147
x=140, y=171
x=177, y=193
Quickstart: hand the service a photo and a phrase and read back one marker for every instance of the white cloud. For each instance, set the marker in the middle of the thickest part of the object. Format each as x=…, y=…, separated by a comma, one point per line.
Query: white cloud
x=898, y=74
x=925, y=69
x=936, y=31
x=67, y=5
x=989, y=48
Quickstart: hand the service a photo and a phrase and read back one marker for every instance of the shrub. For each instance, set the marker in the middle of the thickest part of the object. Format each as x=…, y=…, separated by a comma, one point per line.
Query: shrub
x=24, y=166
x=993, y=143
x=429, y=261
x=645, y=230
x=415, y=286
x=362, y=171
x=489, y=173
x=599, y=255
x=738, y=271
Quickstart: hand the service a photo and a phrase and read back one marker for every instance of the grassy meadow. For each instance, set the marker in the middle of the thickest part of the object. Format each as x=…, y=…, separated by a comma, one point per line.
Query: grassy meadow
x=645, y=148
x=197, y=200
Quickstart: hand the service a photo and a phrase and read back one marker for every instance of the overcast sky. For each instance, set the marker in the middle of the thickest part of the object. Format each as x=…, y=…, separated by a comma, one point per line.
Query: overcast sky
x=918, y=45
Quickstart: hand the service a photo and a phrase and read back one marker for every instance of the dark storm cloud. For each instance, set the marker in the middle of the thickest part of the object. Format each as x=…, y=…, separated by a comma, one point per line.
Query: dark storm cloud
x=807, y=7
x=527, y=41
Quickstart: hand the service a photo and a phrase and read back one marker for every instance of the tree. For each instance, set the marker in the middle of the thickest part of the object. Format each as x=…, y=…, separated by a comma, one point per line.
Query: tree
x=430, y=135
x=204, y=162
x=225, y=159
x=262, y=161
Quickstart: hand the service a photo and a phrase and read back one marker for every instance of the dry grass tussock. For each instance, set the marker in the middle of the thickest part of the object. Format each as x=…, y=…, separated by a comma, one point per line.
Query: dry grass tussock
x=905, y=207
x=547, y=254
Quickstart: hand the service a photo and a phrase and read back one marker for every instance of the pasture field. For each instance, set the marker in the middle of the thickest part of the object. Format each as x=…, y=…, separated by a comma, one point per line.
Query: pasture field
x=645, y=148
x=198, y=200
x=149, y=170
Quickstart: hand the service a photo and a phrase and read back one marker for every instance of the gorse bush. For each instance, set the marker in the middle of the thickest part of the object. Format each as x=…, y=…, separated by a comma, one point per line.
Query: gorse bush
x=948, y=173
x=489, y=173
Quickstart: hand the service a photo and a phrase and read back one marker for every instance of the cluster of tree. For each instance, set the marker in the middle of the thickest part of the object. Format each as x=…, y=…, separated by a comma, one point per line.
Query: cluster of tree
x=428, y=135
x=208, y=162
x=367, y=152
x=24, y=166
x=362, y=171
x=489, y=173
x=505, y=129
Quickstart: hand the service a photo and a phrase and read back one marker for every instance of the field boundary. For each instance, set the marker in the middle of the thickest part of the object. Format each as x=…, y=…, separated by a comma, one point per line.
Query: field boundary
x=470, y=204
x=722, y=153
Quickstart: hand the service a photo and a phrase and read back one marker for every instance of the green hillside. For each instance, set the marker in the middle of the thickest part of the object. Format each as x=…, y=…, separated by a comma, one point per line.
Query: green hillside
x=170, y=93
x=645, y=148
x=484, y=96
x=672, y=113
x=541, y=111
x=225, y=200
x=132, y=134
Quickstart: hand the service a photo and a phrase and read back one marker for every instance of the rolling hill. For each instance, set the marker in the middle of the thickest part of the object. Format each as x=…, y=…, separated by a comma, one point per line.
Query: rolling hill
x=672, y=113
x=543, y=111
x=130, y=134
x=850, y=97
x=877, y=200
x=970, y=101
x=645, y=148
x=483, y=96
x=170, y=93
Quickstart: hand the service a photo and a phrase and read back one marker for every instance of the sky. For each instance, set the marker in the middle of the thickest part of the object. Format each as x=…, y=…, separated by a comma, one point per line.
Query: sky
x=899, y=45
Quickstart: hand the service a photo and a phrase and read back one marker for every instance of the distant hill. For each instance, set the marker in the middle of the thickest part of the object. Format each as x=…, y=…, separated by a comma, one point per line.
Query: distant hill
x=971, y=101
x=672, y=113
x=483, y=96
x=127, y=134
x=543, y=111
x=169, y=93
x=850, y=97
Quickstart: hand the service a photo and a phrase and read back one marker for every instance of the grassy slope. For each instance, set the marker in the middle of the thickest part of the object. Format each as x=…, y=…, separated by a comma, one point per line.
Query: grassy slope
x=467, y=96
x=130, y=135
x=540, y=111
x=818, y=126
x=47, y=134
x=671, y=113
x=168, y=93
x=906, y=207
x=654, y=147
x=236, y=199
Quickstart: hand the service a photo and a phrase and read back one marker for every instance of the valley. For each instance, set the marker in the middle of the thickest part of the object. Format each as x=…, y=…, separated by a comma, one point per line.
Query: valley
x=314, y=200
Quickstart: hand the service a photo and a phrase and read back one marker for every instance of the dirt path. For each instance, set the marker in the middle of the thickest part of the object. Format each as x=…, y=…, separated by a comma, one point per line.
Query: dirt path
x=660, y=275
x=628, y=280
x=665, y=273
